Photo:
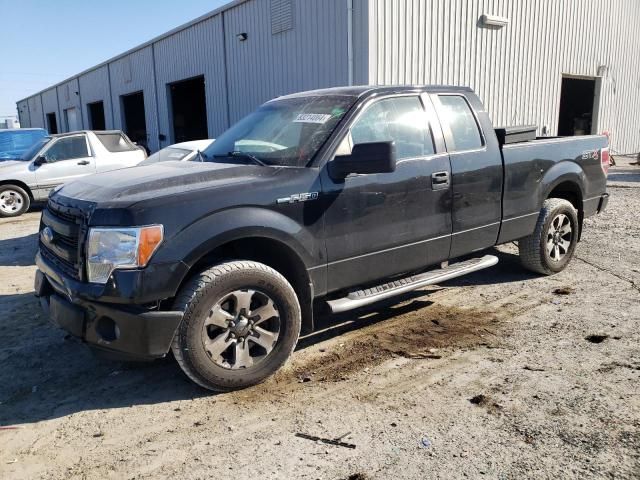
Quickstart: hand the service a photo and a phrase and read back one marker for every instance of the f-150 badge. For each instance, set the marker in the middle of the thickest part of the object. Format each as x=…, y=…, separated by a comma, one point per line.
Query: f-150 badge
x=299, y=197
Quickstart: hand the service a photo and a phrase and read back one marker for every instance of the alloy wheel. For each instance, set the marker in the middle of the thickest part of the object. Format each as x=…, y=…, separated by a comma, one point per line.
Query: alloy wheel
x=241, y=329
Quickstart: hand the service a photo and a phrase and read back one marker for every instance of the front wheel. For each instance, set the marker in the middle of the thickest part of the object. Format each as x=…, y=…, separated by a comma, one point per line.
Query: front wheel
x=241, y=323
x=14, y=201
x=550, y=247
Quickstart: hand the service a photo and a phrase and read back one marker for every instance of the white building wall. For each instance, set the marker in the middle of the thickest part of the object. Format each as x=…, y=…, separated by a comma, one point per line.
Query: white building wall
x=130, y=74
x=313, y=54
x=516, y=70
x=69, y=97
x=50, y=105
x=23, y=113
x=36, y=118
x=195, y=51
x=94, y=87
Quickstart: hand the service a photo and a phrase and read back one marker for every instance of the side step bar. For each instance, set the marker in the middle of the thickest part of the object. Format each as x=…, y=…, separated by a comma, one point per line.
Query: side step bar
x=360, y=298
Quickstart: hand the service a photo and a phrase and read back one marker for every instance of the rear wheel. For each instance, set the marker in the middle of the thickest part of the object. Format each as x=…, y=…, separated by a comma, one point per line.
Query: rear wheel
x=550, y=247
x=241, y=323
x=14, y=201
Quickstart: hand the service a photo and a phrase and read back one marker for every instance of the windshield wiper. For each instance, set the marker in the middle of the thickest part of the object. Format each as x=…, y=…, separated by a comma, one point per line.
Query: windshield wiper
x=239, y=154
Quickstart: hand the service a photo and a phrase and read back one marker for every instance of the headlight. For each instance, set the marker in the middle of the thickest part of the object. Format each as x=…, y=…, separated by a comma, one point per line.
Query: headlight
x=109, y=249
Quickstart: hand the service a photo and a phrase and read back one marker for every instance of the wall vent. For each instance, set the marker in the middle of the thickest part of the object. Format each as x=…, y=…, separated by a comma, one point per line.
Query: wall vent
x=281, y=16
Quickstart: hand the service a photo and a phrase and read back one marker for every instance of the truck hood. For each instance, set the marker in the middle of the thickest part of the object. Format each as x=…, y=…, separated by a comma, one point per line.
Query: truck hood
x=132, y=185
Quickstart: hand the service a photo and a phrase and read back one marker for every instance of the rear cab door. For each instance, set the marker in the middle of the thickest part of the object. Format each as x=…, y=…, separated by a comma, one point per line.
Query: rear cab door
x=476, y=171
x=66, y=158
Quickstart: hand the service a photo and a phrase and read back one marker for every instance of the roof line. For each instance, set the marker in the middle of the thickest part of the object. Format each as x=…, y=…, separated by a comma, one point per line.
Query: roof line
x=184, y=26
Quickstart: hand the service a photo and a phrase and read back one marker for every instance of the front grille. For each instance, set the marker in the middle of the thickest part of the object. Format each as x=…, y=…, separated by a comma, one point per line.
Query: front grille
x=64, y=247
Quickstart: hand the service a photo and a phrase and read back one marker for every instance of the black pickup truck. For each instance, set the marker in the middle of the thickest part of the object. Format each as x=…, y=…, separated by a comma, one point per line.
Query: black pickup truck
x=334, y=198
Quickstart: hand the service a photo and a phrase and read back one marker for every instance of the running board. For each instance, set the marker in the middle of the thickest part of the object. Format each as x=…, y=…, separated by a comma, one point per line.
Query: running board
x=360, y=298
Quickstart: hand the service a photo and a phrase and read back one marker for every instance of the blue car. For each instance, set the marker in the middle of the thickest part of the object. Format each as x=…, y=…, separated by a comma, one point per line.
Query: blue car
x=14, y=142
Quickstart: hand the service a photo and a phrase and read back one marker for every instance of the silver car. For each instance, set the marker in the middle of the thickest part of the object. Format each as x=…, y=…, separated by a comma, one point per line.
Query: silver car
x=58, y=159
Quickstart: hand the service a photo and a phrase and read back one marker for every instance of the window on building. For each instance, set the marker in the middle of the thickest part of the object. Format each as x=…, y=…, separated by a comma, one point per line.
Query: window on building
x=399, y=119
x=68, y=148
x=458, y=115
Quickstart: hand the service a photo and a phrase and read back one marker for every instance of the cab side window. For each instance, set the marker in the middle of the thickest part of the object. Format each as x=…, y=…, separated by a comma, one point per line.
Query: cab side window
x=67, y=148
x=462, y=123
x=399, y=119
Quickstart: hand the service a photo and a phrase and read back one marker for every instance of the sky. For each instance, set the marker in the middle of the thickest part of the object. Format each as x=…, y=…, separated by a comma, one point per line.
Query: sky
x=44, y=42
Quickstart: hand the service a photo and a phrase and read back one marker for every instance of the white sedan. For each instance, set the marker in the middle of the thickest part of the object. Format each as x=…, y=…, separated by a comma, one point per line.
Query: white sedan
x=180, y=152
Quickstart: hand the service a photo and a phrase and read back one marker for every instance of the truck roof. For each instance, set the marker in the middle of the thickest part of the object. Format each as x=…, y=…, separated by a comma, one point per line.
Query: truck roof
x=366, y=90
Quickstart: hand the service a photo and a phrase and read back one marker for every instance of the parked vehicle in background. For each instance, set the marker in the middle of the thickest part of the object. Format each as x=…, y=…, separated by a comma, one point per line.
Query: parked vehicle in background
x=15, y=142
x=340, y=197
x=57, y=159
x=179, y=152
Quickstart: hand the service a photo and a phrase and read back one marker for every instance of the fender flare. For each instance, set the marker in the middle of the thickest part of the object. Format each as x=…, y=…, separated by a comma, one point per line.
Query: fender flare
x=561, y=172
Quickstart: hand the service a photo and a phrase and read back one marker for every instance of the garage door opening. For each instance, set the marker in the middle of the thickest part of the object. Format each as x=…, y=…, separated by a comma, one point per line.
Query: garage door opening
x=188, y=110
x=134, y=119
x=577, y=104
x=96, y=116
x=52, y=123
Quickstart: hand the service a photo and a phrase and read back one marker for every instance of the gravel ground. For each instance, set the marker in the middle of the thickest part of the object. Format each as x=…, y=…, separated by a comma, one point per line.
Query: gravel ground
x=501, y=374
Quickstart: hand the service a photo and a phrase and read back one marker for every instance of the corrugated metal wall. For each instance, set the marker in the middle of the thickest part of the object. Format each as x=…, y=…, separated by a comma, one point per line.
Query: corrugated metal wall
x=24, y=115
x=308, y=51
x=50, y=105
x=135, y=73
x=68, y=97
x=198, y=50
x=313, y=54
x=94, y=87
x=36, y=118
x=516, y=70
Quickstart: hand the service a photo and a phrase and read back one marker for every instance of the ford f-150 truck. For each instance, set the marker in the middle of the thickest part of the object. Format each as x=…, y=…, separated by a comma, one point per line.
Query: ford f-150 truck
x=338, y=198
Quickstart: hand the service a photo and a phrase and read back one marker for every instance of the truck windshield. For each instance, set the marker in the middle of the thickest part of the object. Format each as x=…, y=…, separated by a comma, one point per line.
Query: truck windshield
x=286, y=132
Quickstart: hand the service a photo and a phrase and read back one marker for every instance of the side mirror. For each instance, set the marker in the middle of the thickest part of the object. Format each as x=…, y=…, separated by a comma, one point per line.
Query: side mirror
x=377, y=157
x=41, y=160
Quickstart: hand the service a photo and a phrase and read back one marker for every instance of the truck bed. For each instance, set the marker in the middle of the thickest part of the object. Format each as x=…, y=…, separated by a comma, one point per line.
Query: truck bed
x=533, y=168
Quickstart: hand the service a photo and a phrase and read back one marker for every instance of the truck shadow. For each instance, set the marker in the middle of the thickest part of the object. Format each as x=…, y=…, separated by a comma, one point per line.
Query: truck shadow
x=19, y=251
x=46, y=374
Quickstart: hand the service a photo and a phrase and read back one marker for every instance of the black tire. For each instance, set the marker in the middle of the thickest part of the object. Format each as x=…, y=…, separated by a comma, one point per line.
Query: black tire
x=205, y=291
x=534, y=253
x=14, y=201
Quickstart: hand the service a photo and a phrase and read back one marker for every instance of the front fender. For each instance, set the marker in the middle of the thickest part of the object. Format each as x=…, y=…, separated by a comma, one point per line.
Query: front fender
x=201, y=237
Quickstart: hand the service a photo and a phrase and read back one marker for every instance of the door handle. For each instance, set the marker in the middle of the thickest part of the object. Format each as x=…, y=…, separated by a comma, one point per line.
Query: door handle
x=440, y=180
x=83, y=162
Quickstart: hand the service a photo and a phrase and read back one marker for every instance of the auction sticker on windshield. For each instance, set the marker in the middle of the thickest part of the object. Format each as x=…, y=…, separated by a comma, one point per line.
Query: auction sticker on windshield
x=312, y=118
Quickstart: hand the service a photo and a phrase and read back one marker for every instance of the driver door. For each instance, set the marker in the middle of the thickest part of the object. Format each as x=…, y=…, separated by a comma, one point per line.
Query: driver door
x=380, y=225
x=66, y=159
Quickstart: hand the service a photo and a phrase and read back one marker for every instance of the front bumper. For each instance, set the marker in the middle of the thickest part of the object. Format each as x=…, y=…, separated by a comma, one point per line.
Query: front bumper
x=119, y=331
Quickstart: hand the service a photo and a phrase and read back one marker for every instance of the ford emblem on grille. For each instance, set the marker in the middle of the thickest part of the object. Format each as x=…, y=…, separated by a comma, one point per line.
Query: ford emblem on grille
x=47, y=235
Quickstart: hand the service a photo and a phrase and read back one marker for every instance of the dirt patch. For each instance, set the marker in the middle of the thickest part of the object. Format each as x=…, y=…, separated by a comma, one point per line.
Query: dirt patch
x=596, y=338
x=486, y=402
x=563, y=290
x=421, y=334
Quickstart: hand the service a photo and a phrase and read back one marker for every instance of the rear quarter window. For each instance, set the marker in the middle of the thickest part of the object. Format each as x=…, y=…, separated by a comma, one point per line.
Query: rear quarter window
x=115, y=142
x=465, y=132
